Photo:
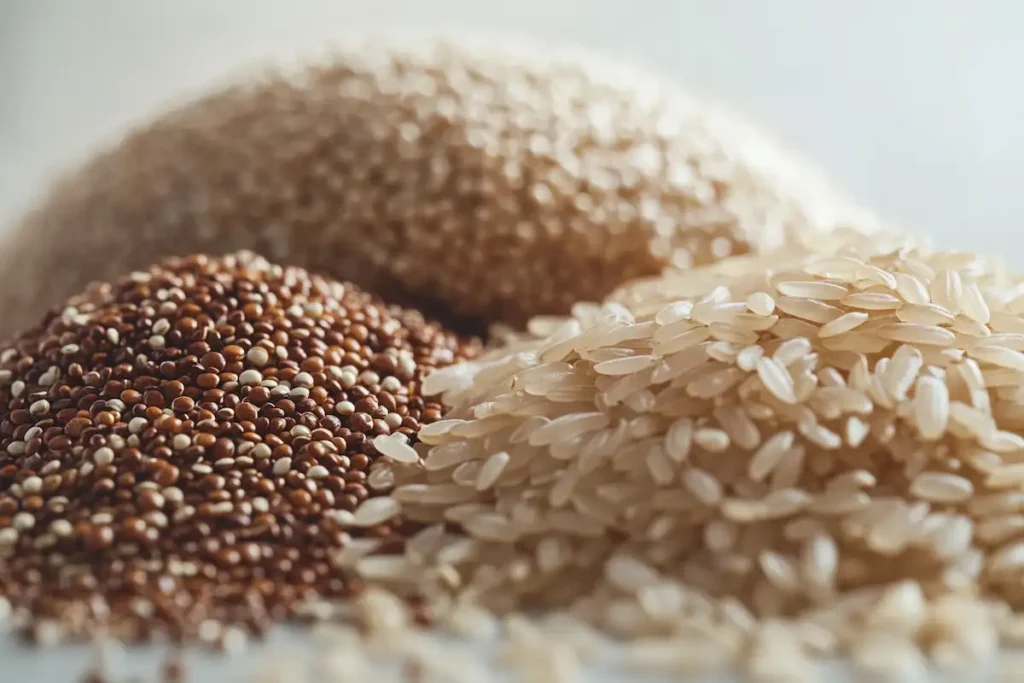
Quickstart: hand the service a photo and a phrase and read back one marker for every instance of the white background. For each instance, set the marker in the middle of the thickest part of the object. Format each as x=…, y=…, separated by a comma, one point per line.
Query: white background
x=914, y=106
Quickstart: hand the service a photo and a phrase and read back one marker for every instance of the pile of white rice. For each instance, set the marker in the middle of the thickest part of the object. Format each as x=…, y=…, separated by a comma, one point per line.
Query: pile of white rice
x=758, y=464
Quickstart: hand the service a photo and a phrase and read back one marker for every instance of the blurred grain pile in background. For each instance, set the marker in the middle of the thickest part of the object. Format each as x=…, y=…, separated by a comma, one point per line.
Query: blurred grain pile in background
x=906, y=106
x=482, y=182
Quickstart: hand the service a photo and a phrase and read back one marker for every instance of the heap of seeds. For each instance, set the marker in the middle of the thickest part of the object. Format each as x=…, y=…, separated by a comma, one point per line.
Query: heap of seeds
x=494, y=183
x=177, y=448
x=762, y=462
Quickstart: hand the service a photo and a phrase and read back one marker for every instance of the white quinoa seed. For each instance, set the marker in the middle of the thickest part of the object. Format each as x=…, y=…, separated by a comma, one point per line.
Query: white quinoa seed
x=391, y=384
x=23, y=521
x=61, y=528
x=103, y=456
x=250, y=377
x=317, y=472
x=258, y=356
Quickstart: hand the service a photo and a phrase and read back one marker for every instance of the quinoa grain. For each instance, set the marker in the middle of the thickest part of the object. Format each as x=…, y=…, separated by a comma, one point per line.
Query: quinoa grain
x=156, y=487
x=483, y=179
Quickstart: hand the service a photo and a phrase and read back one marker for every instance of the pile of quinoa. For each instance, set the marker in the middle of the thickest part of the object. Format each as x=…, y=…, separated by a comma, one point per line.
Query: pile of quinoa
x=479, y=180
x=176, y=447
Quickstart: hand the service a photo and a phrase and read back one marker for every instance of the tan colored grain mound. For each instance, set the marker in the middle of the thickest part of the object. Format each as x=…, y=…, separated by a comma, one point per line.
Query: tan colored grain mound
x=762, y=462
x=490, y=181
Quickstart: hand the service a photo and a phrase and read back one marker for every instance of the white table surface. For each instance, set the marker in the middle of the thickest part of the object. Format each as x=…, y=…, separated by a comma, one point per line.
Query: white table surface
x=289, y=649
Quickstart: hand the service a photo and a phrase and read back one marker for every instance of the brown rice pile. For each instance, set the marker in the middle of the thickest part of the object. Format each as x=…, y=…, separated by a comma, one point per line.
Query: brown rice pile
x=481, y=179
x=761, y=463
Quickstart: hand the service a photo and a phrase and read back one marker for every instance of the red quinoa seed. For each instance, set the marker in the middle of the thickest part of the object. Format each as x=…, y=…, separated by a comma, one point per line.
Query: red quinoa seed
x=175, y=447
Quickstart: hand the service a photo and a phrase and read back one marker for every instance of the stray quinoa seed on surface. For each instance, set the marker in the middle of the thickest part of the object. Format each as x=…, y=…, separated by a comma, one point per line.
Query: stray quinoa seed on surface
x=181, y=450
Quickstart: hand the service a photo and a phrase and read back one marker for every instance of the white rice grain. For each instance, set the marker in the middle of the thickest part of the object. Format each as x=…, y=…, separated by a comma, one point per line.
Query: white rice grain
x=791, y=350
x=931, y=407
x=761, y=303
x=568, y=426
x=913, y=333
x=843, y=324
x=793, y=453
x=911, y=289
x=946, y=290
x=776, y=380
x=679, y=439
x=999, y=356
x=396, y=449
x=624, y=366
x=872, y=301
x=374, y=511
x=941, y=487
x=702, y=485
x=810, y=289
x=491, y=470
x=769, y=455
